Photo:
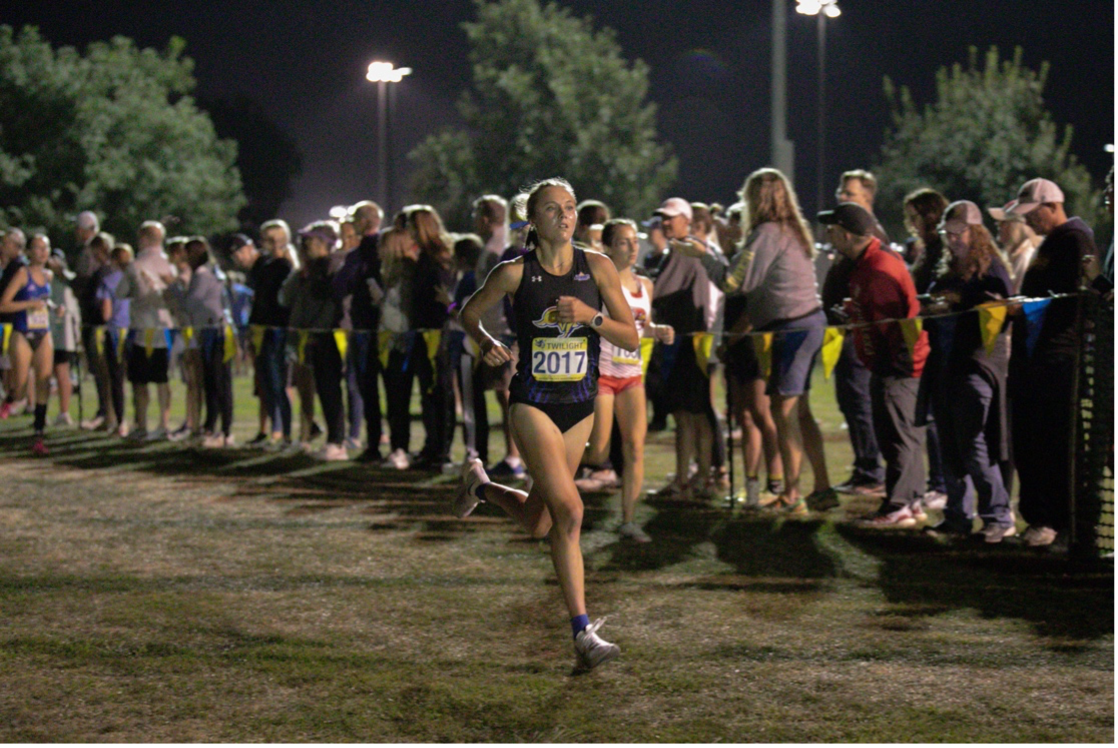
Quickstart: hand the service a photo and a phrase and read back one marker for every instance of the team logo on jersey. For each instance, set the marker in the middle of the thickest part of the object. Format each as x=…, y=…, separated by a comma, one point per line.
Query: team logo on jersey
x=537, y=279
x=582, y=276
x=638, y=316
x=550, y=320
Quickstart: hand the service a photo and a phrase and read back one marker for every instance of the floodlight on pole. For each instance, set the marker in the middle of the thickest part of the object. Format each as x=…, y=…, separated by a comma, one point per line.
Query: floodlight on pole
x=383, y=73
x=824, y=9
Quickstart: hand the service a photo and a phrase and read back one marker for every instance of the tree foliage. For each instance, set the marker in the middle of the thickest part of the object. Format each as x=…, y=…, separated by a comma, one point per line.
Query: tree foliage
x=985, y=135
x=550, y=96
x=112, y=131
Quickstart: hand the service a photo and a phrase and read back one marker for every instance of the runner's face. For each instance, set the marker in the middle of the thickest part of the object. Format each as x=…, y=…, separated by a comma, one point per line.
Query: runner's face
x=555, y=215
x=624, y=247
x=38, y=251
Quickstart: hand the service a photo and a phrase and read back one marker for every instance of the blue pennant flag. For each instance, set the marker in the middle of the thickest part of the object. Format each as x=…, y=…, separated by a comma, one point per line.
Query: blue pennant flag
x=1034, y=320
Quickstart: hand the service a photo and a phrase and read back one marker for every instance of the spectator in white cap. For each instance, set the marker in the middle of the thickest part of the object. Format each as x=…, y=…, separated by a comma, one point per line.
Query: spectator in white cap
x=1017, y=241
x=1041, y=374
x=681, y=298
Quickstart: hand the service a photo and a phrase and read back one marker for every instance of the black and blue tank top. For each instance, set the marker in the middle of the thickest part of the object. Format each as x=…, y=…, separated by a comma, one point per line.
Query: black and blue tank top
x=558, y=362
x=33, y=320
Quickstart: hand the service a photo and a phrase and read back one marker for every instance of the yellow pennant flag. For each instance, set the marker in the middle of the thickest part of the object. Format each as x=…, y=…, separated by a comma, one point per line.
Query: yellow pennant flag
x=703, y=342
x=7, y=336
x=121, y=340
x=384, y=347
x=646, y=354
x=230, y=345
x=149, y=340
x=433, y=338
x=188, y=334
x=910, y=329
x=763, y=347
x=991, y=319
x=99, y=339
x=302, y=349
x=257, y=339
x=832, y=349
x=341, y=340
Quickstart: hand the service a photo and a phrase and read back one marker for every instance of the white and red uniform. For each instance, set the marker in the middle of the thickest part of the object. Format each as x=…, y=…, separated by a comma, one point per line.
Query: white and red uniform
x=618, y=363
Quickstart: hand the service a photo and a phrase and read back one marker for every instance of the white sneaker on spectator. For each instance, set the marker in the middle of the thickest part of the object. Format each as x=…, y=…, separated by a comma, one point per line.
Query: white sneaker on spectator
x=633, y=531
x=156, y=436
x=351, y=443
x=997, y=533
x=592, y=649
x=332, y=453
x=935, y=500
x=180, y=434
x=217, y=441
x=890, y=516
x=1038, y=536
x=92, y=424
x=63, y=419
x=398, y=460
x=752, y=493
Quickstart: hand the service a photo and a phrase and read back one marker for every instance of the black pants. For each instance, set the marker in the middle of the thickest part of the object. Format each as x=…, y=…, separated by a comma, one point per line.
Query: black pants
x=96, y=361
x=366, y=362
x=217, y=382
x=1041, y=411
x=327, y=365
x=901, y=441
x=436, y=395
x=114, y=363
x=398, y=378
x=852, y=392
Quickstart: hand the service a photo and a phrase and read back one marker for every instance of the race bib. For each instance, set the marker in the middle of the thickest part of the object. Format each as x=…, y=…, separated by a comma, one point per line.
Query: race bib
x=559, y=359
x=39, y=319
x=626, y=358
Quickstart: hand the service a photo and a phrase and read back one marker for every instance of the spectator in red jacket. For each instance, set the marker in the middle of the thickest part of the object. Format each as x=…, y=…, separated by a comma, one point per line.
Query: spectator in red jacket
x=881, y=290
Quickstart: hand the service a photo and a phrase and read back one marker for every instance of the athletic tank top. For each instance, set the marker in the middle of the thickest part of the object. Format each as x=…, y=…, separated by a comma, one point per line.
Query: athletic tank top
x=558, y=362
x=618, y=362
x=33, y=320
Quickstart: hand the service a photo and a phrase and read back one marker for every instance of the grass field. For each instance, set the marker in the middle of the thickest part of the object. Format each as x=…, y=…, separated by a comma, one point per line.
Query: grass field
x=159, y=593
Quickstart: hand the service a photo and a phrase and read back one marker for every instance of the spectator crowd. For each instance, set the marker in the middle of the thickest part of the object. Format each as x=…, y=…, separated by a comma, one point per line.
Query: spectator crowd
x=952, y=355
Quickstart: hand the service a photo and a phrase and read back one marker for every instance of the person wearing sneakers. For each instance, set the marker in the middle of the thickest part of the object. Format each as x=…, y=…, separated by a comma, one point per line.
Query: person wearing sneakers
x=147, y=349
x=882, y=289
x=620, y=383
x=1043, y=365
x=27, y=299
x=65, y=332
x=967, y=383
x=557, y=293
x=774, y=270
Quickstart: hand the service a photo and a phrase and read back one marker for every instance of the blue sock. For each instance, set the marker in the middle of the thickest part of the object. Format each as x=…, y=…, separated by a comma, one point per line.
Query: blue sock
x=578, y=623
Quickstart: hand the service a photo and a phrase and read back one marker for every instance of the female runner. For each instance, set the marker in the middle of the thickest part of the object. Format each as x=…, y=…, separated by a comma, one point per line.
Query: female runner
x=27, y=297
x=557, y=291
x=621, y=385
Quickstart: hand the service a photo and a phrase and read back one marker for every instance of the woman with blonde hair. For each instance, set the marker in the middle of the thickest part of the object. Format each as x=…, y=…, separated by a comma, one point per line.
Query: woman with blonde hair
x=1018, y=243
x=773, y=269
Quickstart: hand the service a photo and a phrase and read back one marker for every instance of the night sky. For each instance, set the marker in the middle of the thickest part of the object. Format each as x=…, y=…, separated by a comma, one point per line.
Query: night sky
x=710, y=67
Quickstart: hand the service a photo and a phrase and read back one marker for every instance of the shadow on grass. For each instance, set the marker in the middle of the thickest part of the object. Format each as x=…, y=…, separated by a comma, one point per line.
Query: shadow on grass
x=1059, y=598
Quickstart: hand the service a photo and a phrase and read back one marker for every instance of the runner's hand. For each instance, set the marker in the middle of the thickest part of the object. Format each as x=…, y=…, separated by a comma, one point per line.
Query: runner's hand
x=495, y=353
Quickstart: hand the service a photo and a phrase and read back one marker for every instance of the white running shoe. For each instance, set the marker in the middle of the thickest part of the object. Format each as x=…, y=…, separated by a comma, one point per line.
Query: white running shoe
x=752, y=493
x=217, y=441
x=92, y=424
x=397, y=460
x=593, y=650
x=473, y=477
x=158, y=435
x=332, y=453
x=63, y=419
x=633, y=531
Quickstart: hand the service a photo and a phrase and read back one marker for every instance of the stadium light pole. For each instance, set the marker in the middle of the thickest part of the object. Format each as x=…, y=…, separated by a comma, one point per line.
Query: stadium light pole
x=823, y=9
x=383, y=73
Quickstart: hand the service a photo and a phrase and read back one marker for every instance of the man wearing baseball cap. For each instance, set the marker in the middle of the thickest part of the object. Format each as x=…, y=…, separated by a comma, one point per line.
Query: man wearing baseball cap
x=1041, y=379
x=882, y=289
x=681, y=297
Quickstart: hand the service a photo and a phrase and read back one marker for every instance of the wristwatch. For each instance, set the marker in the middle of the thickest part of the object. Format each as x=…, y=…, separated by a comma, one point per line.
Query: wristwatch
x=598, y=321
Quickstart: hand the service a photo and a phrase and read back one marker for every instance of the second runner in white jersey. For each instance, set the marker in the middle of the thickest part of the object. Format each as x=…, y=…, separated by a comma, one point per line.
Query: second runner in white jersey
x=617, y=362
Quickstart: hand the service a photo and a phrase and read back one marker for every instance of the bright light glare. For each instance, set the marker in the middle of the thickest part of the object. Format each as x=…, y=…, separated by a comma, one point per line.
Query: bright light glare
x=829, y=8
x=1108, y=148
x=385, y=72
